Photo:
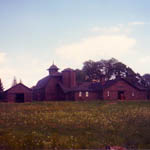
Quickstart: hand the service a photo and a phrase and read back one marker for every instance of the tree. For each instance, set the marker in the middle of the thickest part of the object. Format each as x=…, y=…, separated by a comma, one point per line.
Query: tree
x=100, y=69
x=1, y=90
x=111, y=69
x=14, y=82
x=90, y=70
x=80, y=75
x=1, y=86
x=146, y=78
x=20, y=81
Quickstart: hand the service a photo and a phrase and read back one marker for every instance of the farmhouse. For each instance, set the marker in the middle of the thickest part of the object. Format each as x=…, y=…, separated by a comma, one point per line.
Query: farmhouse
x=18, y=93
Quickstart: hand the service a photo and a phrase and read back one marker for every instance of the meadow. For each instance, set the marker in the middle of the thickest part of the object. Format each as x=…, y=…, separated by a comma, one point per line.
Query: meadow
x=75, y=125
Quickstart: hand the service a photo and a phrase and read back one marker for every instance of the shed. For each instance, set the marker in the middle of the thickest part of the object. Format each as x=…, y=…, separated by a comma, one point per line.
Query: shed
x=18, y=93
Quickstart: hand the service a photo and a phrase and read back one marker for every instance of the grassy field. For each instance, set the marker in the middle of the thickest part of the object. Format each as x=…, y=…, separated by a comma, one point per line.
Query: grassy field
x=76, y=125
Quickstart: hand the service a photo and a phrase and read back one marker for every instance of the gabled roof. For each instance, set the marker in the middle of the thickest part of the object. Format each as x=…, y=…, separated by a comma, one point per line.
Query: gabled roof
x=86, y=86
x=89, y=86
x=109, y=83
x=19, y=84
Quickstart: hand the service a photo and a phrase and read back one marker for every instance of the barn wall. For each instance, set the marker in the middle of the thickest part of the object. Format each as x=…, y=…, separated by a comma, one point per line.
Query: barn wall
x=11, y=94
x=128, y=92
x=51, y=90
x=91, y=96
x=70, y=96
x=60, y=93
x=38, y=94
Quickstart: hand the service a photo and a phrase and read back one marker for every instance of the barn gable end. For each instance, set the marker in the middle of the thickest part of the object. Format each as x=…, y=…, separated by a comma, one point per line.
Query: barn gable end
x=120, y=89
x=18, y=93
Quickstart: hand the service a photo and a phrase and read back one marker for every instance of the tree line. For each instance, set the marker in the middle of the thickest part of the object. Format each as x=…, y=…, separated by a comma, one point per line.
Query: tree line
x=109, y=70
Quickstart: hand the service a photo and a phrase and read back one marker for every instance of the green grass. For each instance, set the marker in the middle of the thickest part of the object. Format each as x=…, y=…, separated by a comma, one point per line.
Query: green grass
x=76, y=125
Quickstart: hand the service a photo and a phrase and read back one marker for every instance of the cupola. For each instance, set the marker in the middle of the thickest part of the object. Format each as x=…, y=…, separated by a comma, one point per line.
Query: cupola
x=53, y=69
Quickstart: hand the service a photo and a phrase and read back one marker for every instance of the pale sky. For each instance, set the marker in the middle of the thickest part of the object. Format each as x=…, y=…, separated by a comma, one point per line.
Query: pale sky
x=33, y=33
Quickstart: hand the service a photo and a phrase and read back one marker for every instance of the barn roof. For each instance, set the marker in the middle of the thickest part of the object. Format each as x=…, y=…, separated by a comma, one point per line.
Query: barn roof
x=112, y=82
x=86, y=86
x=19, y=84
x=89, y=86
x=42, y=83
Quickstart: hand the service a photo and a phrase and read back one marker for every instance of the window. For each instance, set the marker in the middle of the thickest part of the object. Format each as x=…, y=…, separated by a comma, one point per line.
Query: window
x=80, y=94
x=86, y=94
x=108, y=93
x=132, y=93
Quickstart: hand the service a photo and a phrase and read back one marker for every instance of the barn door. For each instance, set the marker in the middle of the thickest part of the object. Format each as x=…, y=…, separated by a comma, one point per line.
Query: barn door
x=20, y=97
x=121, y=95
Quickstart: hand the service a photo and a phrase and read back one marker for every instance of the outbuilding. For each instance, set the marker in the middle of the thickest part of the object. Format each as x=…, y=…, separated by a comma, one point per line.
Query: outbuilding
x=18, y=93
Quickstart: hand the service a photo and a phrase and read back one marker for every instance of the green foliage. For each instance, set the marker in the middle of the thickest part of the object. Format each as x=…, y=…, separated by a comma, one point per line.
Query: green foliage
x=146, y=77
x=74, y=125
x=111, y=69
x=14, y=82
x=80, y=76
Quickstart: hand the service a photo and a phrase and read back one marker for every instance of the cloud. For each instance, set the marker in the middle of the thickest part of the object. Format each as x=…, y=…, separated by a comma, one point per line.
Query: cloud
x=96, y=48
x=136, y=23
x=120, y=28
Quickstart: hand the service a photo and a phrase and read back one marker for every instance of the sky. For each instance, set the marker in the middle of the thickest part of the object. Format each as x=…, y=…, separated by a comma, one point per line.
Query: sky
x=34, y=33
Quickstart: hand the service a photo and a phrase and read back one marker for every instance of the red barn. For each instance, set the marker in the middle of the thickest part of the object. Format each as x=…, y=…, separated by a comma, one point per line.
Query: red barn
x=56, y=86
x=121, y=89
x=88, y=91
x=18, y=93
x=63, y=86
